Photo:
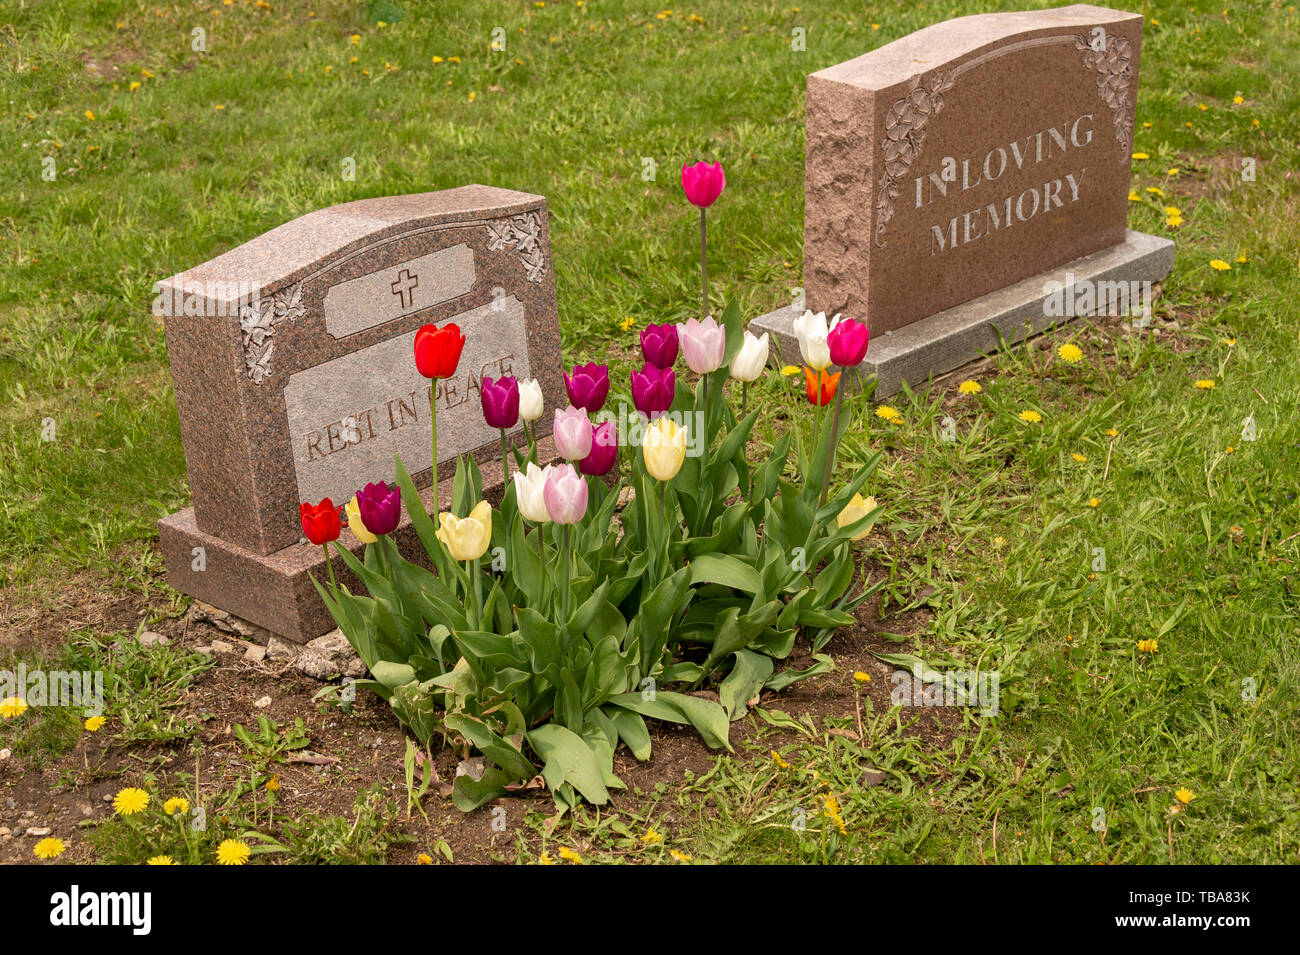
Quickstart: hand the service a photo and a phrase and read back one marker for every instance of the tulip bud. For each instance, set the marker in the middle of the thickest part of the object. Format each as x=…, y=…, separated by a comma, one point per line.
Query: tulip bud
x=653, y=389
x=380, y=508
x=500, y=398
x=811, y=330
x=821, y=386
x=531, y=404
x=529, y=486
x=604, y=450
x=467, y=538
x=703, y=183
x=748, y=363
x=659, y=345
x=437, y=350
x=704, y=343
x=664, y=448
x=356, y=525
x=854, y=511
x=566, y=495
x=588, y=386
x=572, y=433
x=320, y=522
x=847, y=342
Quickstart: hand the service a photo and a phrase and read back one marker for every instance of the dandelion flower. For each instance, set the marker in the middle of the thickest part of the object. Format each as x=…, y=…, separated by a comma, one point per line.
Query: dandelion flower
x=48, y=848
x=273, y=784
x=1241, y=259
x=570, y=856
x=1094, y=501
x=160, y=860
x=679, y=855
x=1184, y=795
x=89, y=115
x=1229, y=342
x=545, y=859
x=1031, y=416
x=1202, y=107
x=1148, y=646
x=233, y=852
x=1133, y=196
x=1070, y=352
x=999, y=543
x=130, y=801
x=1173, y=171
x=1112, y=433
x=176, y=804
x=12, y=707
x=781, y=763
x=1156, y=191
x=888, y=413
x=652, y=837
x=861, y=677
x=1141, y=156
x=1173, y=211
x=94, y=724
x=1219, y=265
x=1079, y=457
x=627, y=323
x=1205, y=384
x=424, y=859
x=1237, y=101
x=789, y=370
x=969, y=387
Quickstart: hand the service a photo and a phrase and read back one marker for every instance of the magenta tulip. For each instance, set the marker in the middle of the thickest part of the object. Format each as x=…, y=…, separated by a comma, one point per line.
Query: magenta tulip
x=572, y=433
x=565, y=495
x=703, y=183
x=380, y=507
x=848, y=342
x=653, y=389
x=500, y=401
x=604, y=450
x=588, y=386
x=659, y=344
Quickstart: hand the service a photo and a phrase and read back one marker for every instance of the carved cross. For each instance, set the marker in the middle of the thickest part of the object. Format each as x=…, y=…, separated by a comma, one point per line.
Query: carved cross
x=405, y=286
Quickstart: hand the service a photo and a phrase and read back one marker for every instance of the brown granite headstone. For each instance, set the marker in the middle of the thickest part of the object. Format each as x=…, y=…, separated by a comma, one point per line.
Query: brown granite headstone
x=965, y=157
x=292, y=357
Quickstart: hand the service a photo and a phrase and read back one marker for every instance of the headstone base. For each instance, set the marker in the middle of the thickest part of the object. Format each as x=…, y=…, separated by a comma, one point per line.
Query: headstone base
x=275, y=590
x=933, y=346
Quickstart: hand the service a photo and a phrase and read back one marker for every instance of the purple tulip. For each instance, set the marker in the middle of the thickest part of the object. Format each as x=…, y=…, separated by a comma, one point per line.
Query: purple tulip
x=659, y=345
x=588, y=386
x=572, y=433
x=848, y=342
x=653, y=389
x=703, y=183
x=500, y=401
x=565, y=495
x=380, y=507
x=604, y=451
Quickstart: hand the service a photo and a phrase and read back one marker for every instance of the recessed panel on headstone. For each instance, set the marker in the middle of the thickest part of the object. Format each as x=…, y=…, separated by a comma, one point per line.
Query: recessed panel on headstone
x=965, y=157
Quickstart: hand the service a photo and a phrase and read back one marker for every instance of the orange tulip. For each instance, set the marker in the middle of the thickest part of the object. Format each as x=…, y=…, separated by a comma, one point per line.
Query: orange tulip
x=821, y=386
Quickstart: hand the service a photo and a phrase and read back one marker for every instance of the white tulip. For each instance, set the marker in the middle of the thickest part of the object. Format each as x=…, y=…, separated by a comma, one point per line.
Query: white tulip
x=529, y=486
x=811, y=330
x=530, y=400
x=748, y=363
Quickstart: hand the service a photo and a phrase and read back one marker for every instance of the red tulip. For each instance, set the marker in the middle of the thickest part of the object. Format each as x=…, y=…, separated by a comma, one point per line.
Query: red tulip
x=320, y=522
x=821, y=386
x=848, y=342
x=703, y=183
x=437, y=350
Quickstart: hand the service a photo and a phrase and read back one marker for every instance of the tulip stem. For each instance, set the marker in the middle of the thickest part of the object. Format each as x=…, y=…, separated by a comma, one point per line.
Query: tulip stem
x=334, y=584
x=704, y=265
x=566, y=594
x=830, y=454
x=473, y=567
x=744, y=397
x=505, y=459
x=433, y=425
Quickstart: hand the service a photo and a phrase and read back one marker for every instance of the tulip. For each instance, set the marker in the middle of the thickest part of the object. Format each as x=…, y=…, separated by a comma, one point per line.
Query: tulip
x=320, y=523
x=748, y=363
x=847, y=342
x=811, y=330
x=653, y=389
x=664, y=448
x=588, y=386
x=467, y=538
x=703, y=183
x=500, y=397
x=531, y=404
x=565, y=494
x=821, y=386
x=572, y=433
x=659, y=344
x=704, y=342
x=529, y=486
x=437, y=353
x=356, y=525
x=380, y=508
x=604, y=450
x=854, y=511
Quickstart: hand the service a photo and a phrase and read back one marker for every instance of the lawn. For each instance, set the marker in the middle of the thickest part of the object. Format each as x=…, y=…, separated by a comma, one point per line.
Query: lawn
x=1155, y=499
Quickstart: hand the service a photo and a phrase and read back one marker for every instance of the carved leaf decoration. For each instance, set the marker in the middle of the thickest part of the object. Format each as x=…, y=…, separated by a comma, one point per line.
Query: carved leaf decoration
x=257, y=325
x=1115, y=82
x=905, y=128
x=522, y=233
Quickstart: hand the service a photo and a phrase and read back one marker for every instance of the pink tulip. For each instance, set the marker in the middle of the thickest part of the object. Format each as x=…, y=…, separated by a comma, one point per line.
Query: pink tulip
x=572, y=433
x=565, y=495
x=703, y=183
x=848, y=342
x=703, y=344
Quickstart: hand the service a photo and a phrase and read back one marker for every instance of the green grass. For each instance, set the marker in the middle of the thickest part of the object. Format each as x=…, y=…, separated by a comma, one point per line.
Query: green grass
x=1200, y=544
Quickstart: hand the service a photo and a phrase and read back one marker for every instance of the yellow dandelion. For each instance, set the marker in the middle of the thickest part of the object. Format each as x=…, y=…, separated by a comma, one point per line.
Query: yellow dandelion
x=1219, y=265
x=1254, y=122
x=1173, y=171
x=1112, y=433
x=1205, y=384
x=1094, y=501
x=233, y=852
x=1148, y=646
x=1141, y=156
x=356, y=39
x=1184, y=795
x=1229, y=449
x=48, y=848
x=1079, y=457
x=130, y=801
x=12, y=707
x=95, y=723
x=569, y=855
x=789, y=370
x=999, y=543
x=273, y=784
x=1133, y=196
x=1070, y=352
x=220, y=107
x=437, y=59
x=1174, y=222
x=1202, y=107
x=1173, y=211
x=1156, y=191
x=888, y=413
x=627, y=323
x=679, y=855
x=146, y=74
x=89, y=115
x=1031, y=416
x=652, y=837
x=135, y=85
x=969, y=387
x=781, y=763
x=160, y=860
x=1229, y=341
x=424, y=859
x=1188, y=125
x=860, y=676
x=1241, y=260
x=176, y=804
x=453, y=59
x=545, y=859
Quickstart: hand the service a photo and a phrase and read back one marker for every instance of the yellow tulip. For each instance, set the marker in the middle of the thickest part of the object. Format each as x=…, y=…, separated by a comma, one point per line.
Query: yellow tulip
x=467, y=538
x=356, y=525
x=664, y=448
x=854, y=511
